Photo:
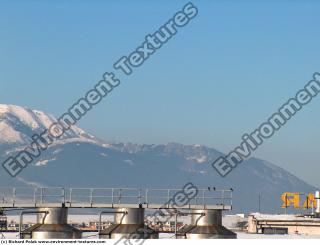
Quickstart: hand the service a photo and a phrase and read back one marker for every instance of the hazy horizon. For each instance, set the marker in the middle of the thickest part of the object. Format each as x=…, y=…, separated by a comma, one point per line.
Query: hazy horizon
x=221, y=76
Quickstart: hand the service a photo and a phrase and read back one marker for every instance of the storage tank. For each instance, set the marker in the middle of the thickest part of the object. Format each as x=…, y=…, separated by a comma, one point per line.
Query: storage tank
x=206, y=224
x=128, y=224
x=317, y=197
x=52, y=223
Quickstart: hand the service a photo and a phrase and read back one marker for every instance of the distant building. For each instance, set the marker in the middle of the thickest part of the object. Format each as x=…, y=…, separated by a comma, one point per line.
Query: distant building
x=283, y=224
x=3, y=222
x=94, y=225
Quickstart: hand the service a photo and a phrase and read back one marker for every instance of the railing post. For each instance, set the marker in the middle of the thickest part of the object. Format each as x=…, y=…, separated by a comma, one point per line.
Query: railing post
x=63, y=195
x=14, y=192
x=222, y=197
x=41, y=195
x=196, y=199
x=70, y=196
x=120, y=194
x=203, y=198
x=35, y=196
x=140, y=192
x=112, y=196
x=91, y=196
x=222, y=193
x=147, y=202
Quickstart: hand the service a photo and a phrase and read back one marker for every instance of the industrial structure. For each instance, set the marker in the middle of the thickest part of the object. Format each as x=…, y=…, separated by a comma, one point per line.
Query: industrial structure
x=3, y=220
x=129, y=224
x=51, y=224
x=288, y=223
x=128, y=206
x=206, y=224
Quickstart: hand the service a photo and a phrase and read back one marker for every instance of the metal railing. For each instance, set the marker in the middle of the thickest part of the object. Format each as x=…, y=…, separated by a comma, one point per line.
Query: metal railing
x=113, y=196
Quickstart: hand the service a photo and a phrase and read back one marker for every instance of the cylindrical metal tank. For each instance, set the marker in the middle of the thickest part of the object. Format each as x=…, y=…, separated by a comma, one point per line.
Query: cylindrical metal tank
x=206, y=224
x=206, y=217
x=52, y=224
x=129, y=224
x=317, y=197
x=129, y=216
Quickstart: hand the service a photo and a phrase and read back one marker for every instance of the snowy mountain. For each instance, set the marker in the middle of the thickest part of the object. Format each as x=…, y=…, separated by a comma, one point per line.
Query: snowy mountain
x=17, y=124
x=81, y=160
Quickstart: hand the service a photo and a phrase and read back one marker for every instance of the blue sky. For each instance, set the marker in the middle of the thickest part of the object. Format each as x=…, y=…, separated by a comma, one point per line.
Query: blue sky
x=221, y=76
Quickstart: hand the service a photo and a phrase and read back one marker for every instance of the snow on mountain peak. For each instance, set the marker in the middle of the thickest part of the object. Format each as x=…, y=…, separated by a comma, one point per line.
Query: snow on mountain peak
x=9, y=135
x=18, y=124
x=24, y=114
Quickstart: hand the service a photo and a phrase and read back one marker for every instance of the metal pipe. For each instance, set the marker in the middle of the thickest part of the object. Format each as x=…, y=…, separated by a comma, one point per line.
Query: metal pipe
x=30, y=212
x=110, y=212
x=183, y=214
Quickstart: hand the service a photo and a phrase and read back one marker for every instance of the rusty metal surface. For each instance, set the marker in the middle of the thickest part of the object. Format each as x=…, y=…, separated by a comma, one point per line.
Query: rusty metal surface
x=129, y=231
x=212, y=231
x=51, y=231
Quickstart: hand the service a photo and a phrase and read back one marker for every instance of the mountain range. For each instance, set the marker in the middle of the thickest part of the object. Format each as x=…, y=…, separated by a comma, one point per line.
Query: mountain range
x=80, y=159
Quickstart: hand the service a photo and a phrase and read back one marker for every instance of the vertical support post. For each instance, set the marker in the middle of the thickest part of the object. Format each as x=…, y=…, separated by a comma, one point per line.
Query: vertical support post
x=41, y=195
x=70, y=196
x=222, y=193
x=140, y=192
x=35, y=196
x=120, y=195
x=231, y=196
x=196, y=199
x=91, y=196
x=63, y=195
x=175, y=225
x=147, y=201
x=203, y=198
x=112, y=196
x=14, y=192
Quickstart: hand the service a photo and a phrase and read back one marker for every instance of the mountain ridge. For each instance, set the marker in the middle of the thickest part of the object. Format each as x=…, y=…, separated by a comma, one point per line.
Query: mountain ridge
x=80, y=159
